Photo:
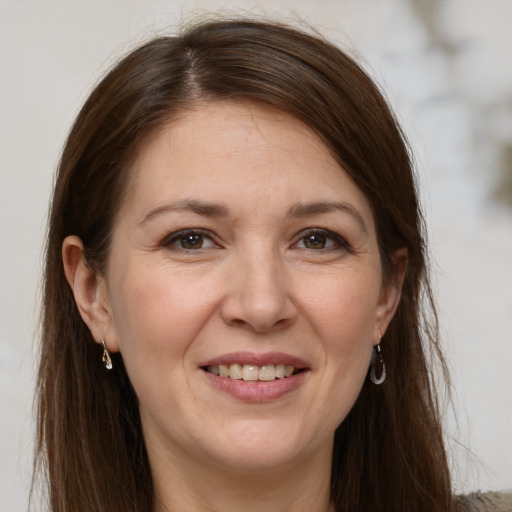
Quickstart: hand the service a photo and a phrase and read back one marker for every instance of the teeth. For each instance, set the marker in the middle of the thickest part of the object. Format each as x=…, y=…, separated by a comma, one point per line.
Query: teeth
x=252, y=372
x=267, y=372
x=236, y=371
x=280, y=371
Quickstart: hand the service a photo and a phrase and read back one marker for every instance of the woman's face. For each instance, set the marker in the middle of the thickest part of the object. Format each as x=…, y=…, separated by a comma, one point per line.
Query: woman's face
x=242, y=248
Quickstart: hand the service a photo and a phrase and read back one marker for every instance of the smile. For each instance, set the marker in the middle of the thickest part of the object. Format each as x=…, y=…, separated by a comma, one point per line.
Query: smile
x=252, y=372
x=256, y=378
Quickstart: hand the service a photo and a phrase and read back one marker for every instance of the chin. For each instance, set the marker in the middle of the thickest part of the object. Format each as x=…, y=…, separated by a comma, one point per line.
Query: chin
x=255, y=446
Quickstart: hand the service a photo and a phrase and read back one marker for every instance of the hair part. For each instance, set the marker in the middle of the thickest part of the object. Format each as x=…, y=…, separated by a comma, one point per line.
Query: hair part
x=389, y=452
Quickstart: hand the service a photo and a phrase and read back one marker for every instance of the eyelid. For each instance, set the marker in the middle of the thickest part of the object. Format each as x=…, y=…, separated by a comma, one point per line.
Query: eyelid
x=175, y=236
x=340, y=241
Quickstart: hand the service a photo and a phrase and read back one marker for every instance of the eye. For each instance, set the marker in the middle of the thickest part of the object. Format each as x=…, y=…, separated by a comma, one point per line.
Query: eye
x=315, y=241
x=321, y=239
x=192, y=241
x=189, y=240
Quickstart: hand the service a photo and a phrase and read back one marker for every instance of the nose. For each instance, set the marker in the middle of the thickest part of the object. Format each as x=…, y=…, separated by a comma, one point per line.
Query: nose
x=259, y=297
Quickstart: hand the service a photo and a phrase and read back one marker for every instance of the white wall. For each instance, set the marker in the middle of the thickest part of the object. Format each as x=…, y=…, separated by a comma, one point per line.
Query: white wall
x=445, y=67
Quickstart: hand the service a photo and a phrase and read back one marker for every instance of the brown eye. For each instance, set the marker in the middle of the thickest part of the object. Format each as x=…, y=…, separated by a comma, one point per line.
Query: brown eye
x=315, y=241
x=191, y=241
x=321, y=240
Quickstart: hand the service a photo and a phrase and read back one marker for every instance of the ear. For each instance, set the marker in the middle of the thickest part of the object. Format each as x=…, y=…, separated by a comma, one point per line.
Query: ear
x=390, y=294
x=90, y=292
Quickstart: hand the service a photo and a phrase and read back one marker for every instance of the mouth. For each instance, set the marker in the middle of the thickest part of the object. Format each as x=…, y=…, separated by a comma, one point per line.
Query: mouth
x=253, y=372
x=256, y=377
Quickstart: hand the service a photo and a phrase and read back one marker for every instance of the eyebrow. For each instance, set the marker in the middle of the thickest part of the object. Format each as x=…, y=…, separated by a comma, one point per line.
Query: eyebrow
x=188, y=205
x=300, y=210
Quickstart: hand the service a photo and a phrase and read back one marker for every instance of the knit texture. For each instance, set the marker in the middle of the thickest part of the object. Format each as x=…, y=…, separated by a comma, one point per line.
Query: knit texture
x=484, y=502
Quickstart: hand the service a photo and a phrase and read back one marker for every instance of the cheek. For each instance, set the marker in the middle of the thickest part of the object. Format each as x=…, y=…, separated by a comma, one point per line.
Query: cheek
x=157, y=316
x=158, y=312
x=343, y=314
x=344, y=310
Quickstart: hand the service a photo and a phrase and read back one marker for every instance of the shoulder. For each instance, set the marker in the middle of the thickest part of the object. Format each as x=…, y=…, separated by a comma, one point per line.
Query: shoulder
x=484, y=502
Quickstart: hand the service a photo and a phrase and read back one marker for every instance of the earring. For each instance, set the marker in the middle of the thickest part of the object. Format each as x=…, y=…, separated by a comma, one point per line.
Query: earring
x=378, y=368
x=107, y=361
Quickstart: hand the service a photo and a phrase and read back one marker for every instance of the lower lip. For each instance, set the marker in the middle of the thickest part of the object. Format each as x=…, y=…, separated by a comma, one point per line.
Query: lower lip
x=257, y=391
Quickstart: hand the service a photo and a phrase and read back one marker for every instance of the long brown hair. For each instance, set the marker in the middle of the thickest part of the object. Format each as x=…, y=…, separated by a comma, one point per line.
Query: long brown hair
x=389, y=452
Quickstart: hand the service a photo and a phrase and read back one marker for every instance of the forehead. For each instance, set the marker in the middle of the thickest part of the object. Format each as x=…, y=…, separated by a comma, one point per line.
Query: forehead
x=221, y=149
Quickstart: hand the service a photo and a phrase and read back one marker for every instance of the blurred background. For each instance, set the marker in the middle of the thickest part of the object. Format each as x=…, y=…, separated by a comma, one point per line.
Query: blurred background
x=445, y=67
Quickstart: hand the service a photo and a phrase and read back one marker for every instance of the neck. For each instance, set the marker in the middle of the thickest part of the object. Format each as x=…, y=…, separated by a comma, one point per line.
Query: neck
x=185, y=486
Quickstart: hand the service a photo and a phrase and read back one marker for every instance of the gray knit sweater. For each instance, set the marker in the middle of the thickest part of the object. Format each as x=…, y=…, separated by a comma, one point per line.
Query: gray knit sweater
x=484, y=502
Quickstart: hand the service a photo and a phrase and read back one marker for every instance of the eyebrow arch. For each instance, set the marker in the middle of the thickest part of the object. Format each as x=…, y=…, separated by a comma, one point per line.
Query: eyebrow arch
x=188, y=205
x=307, y=209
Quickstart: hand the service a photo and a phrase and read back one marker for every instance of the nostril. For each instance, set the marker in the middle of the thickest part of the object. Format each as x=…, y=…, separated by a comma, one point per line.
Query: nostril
x=237, y=322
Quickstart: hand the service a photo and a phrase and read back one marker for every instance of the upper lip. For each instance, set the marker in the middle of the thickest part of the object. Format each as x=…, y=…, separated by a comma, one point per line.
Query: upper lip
x=257, y=359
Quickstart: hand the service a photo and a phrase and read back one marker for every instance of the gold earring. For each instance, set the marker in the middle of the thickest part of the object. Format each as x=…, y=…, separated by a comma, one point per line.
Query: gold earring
x=107, y=361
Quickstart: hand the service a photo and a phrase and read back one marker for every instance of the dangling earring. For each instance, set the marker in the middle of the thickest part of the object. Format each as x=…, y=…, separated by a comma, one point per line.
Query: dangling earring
x=378, y=368
x=107, y=361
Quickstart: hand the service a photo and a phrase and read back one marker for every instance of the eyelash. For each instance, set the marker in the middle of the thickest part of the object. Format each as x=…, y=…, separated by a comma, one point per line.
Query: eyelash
x=337, y=242
x=179, y=236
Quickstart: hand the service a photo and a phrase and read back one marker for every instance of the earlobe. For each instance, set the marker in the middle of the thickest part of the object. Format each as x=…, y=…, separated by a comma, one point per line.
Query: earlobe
x=88, y=289
x=390, y=294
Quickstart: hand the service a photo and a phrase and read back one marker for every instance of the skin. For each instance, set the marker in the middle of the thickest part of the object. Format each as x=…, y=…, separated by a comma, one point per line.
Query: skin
x=260, y=281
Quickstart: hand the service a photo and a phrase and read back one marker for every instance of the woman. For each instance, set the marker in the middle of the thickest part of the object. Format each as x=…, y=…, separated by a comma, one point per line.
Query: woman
x=237, y=309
